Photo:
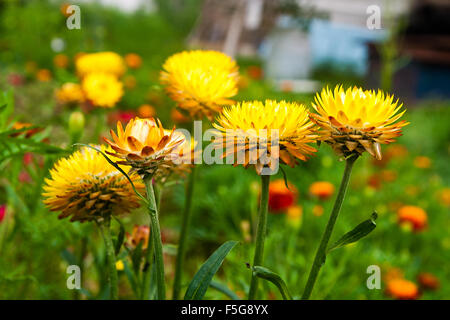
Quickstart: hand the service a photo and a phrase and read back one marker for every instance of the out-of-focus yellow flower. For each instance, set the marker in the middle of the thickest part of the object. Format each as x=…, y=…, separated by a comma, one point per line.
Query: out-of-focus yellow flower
x=317, y=210
x=102, y=89
x=422, y=162
x=145, y=145
x=414, y=216
x=245, y=227
x=61, y=61
x=357, y=120
x=70, y=93
x=138, y=235
x=321, y=189
x=428, y=281
x=294, y=216
x=104, y=62
x=402, y=289
x=146, y=111
x=201, y=82
x=133, y=60
x=254, y=124
x=44, y=75
x=86, y=187
x=280, y=197
x=444, y=197
x=119, y=265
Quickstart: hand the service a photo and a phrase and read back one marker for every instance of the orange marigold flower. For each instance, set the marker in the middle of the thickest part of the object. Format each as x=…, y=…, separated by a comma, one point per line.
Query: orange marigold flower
x=402, y=289
x=322, y=189
x=428, y=281
x=415, y=216
x=138, y=235
x=422, y=162
x=44, y=75
x=280, y=197
x=146, y=111
x=130, y=82
x=133, y=60
x=178, y=117
x=61, y=61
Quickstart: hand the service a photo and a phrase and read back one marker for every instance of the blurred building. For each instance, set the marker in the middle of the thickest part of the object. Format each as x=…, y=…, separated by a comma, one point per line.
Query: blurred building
x=422, y=61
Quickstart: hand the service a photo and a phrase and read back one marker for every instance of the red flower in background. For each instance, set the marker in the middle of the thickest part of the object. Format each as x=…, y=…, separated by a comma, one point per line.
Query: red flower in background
x=122, y=116
x=280, y=197
x=2, y=212
x=428, y=281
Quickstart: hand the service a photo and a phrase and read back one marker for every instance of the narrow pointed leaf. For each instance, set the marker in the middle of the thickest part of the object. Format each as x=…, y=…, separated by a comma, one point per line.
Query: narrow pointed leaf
x=268, y=275
x=202, y=279
x=360, y=231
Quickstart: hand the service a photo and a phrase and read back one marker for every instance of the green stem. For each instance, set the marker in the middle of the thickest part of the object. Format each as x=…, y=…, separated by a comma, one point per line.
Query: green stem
x=260, y=233
x=319, y=259
x=110, y=257
x=155, y=232
x=182, y=243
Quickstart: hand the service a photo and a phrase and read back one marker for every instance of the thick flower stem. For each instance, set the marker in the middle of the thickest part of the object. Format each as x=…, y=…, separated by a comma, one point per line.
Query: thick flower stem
x=260, y=233
x=182, y=243
x=110, y=257
x=319, y=259
x=155, y=233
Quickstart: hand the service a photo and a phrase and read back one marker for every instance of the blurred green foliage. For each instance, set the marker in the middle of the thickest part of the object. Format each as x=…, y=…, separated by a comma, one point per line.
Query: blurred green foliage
x=36, y=247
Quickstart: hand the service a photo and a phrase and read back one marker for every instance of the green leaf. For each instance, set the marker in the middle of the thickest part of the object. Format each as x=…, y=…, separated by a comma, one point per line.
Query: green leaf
x=120, y=237
x=202, y=279
x=360, y=231
x=224, y=289
x=268, y=275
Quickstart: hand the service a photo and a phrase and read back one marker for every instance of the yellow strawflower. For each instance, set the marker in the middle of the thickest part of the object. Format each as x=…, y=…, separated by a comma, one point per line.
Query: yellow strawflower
x=70, y=93
x=102, y=89
x=106, y=62
x=86, y=187
x=201, y=82
x=247, y=119
x=145, y=145
x=357, y=120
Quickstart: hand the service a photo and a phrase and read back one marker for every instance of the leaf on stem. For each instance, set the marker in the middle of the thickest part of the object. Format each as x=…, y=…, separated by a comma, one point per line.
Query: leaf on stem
x=268, y=275
x=202, y=279
x=360, y=231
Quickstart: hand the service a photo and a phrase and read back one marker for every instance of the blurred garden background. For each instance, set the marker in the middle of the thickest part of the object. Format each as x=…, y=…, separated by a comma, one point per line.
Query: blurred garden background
x=285, y=50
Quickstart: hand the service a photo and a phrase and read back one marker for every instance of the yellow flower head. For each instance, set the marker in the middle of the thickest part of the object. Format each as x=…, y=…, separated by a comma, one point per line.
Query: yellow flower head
x=102, y=89
x=201, y=82
x=106, y=62
x=86, y=187
x=357, y=120
x=145, y=145
x=254, y=124
x=70, y=93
